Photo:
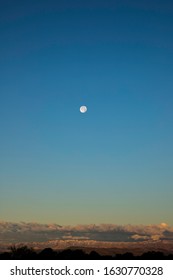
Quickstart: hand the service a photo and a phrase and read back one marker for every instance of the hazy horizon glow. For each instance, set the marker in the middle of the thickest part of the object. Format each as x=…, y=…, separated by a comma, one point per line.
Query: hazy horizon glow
x=113, y=164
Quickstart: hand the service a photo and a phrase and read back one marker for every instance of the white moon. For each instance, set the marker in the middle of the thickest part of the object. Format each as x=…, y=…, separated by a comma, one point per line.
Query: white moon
x=83, y=109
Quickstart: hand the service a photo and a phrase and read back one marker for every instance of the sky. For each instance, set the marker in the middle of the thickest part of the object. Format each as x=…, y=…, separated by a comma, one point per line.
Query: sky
x=112, y=164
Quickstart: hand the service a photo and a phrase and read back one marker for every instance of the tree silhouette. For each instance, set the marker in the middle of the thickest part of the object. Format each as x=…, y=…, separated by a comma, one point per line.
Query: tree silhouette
x=47, y=253
x=25, y=253
x=152, y=255
x=22, y=253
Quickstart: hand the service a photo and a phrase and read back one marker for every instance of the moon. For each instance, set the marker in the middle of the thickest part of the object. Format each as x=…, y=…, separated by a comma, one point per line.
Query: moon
x=83, y=109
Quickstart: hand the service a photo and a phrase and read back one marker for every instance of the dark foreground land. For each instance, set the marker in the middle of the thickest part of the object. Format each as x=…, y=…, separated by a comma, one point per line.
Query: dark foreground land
x=25, y=253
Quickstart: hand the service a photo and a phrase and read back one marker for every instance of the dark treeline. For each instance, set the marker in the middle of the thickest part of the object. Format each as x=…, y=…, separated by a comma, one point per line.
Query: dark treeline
x=25, y=253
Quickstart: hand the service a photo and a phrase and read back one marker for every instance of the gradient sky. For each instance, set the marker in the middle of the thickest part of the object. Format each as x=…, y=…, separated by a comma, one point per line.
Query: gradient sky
x=113, y=164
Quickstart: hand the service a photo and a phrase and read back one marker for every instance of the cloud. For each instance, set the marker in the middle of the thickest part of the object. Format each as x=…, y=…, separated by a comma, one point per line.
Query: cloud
x=72, y=237
x=35, y=232
x=138, y=237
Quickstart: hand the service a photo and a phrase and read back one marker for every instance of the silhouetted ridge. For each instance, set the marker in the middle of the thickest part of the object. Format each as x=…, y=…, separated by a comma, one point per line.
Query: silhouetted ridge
x=25, y=253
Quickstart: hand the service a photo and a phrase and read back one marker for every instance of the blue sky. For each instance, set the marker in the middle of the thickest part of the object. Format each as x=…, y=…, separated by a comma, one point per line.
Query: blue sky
x=114, y=163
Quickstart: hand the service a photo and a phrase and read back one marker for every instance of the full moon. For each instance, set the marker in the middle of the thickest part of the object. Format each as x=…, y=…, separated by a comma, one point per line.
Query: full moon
x=83, y=109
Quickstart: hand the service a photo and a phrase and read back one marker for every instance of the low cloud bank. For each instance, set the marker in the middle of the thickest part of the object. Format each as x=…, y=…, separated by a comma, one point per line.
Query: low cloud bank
x=35, y=232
